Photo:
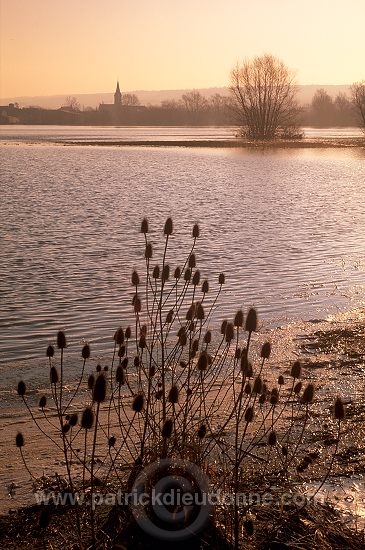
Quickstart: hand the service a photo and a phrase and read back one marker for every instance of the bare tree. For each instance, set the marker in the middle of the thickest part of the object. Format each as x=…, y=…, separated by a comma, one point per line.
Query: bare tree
x=263, y=98
x=72, y=104
x=323, y=109
x=130, y=100
x=358, y=99
x=194, y=102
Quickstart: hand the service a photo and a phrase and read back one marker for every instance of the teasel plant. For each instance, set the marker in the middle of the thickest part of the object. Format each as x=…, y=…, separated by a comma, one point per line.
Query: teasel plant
x=175, y=388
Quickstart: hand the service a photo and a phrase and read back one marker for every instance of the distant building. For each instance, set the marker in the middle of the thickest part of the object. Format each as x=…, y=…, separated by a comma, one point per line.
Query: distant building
x=115, y=107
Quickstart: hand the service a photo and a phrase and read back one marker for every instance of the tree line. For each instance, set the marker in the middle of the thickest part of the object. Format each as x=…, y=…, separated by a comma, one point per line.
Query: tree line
x=262, y=103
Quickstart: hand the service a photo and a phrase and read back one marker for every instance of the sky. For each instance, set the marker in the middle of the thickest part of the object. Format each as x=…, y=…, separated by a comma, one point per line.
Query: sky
x=50, y=47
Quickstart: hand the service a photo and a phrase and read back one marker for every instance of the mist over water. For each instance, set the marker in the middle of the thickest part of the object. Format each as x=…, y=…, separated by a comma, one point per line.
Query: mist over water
x=286, y=226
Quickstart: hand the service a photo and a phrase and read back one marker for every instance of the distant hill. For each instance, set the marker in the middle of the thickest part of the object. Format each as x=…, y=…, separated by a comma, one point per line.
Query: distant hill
x=153, y=97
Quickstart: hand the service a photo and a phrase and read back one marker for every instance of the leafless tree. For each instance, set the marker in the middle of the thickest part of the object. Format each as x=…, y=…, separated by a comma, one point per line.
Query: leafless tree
x=130, y=100
x=72, y=104
x=194, y=102
x=358, y=99
x=263, y=98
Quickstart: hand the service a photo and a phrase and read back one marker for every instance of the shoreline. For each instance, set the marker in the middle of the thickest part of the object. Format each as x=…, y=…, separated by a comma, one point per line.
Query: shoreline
x=231, y=143
x=332, y=357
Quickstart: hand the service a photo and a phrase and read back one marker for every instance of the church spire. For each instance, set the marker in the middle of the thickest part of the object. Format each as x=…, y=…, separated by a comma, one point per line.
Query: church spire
x=117, y=96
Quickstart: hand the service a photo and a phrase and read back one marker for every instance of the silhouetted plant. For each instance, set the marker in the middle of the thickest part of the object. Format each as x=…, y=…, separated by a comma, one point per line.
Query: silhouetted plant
x=175, y=388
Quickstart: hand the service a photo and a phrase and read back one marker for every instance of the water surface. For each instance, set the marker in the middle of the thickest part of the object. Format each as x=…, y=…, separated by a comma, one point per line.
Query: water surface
x=286, y=226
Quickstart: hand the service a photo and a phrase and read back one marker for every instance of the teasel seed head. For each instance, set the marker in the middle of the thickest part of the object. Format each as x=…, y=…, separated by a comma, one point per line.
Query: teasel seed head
x=156, y=272
x=121, y=351
x=190, y=313
x=274, y=397
x=170, y=317
x=249, y=414
x=182, y=337
x=196, y=231
x=205, y=286
x=187, y=275
x=238, y=318
x=151, y=371
x=136, y=302
x=135, y=278
x=128, y=333
x=192, y=261
x=221, y=279
x=202, y=431
x=257, y=387
x=272, y=438
x=296, y=370
x=281, y=381
x=166, y=273
x=249, y=527
x=111, y=441
x=61, y=339
x=208, y=337
x=98, y=368
x=22, y=388
x=99, y=390
x=167, y=429
x=297, y=388
x=53, y=375
x=224, y=326
x=120, y=376
x=177, y=273
x=125, y=362
x=248, y=389
x=142, y=342
x=229, y=332
x=266, y=350
x=202, y=364
x=73, y=419
x=195, y=345
x=251, y=320
x=136, y=361
x=148, y=251
x=19, y=440
x=87, y=419
x=85, y=353
x=144, y=226
x=173, y=395
x=119, y=336
x=199, y=312
x=196, y=278
x=50, y=351
x=308, y=394
x=339, y=409
x=168, y=227
x=262, y=398
x=138, y=403
x=42, y=402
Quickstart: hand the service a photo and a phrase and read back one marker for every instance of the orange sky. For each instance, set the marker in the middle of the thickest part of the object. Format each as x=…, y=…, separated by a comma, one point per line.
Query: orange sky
x=79, y=46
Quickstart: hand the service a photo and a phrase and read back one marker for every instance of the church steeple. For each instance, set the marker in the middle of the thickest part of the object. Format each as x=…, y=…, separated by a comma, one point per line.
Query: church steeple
x=117, y=96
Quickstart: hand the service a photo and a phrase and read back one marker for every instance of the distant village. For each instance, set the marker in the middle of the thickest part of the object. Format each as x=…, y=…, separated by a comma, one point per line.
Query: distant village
x=192, y=109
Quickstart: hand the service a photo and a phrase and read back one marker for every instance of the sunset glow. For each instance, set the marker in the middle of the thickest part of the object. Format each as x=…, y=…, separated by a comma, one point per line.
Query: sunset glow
x=75, y=46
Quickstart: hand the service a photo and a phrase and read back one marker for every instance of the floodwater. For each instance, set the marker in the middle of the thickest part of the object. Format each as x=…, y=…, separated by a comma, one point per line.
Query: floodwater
x=286, y=226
